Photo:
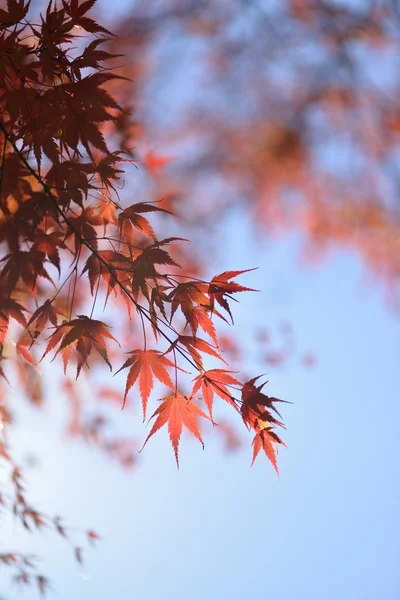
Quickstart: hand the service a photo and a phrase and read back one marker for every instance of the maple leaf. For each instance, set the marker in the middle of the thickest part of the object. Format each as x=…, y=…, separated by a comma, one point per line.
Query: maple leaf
x=268, y=441
x=21, y=347
x=77, y=11
x=200, y=318
x=59, y=119
x=107, y=170
x=91, y=57
x=144, y=364
x=106, y=212
x=154, y=162
x=256, y=414
x=17, y=10
x=82, y=333
x=213, y=382
x=25, y=265
x=177, y=410
x=255, y=405
x=70, y=179
x=82, y=229
x=41, y=316
x=143, y=267
x=220, y=286
x=186, y=296
x=157, y=304
x=195, y=304
x=107, y=264
x=49, y=244
x=132, y=218
x=10, y=308
x=195, y=345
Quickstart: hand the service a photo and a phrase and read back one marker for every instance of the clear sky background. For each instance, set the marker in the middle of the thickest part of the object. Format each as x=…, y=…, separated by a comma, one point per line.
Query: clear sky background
x=328, y=529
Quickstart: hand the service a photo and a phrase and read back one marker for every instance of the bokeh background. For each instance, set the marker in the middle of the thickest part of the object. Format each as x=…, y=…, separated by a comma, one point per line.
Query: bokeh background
x=268, y=169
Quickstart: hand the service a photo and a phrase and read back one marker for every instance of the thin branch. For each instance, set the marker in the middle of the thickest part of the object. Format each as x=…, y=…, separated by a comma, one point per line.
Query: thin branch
x=93, y=251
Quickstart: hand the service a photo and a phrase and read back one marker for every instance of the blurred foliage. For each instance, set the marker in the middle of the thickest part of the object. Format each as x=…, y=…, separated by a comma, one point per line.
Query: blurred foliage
x=287, y=109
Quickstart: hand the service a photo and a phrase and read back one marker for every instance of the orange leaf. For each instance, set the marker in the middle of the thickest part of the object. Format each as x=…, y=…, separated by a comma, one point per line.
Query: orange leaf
x=215, y=382
x=144, y=364
x=82, y=333
x=268, y=443
x=196, y=345
x=177, y=411
x=154, y=162
x=23, y=352
x=43, y=314
x=220, y=286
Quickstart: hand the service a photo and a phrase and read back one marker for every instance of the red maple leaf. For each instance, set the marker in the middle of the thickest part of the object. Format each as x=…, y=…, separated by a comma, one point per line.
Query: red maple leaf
x=177, y=410
x=215, y=382
x=83, y=334
x=220, y=286
x=144, y=364
x=256, y=414
x=194, y=346
x=10, y=308
x=268, y=441
x=17, y=10
x=154, y=162
x=131, y=218
x=42, y=315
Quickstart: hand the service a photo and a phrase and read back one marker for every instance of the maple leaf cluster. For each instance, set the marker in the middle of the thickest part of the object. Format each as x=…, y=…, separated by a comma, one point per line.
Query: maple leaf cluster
x=68, y=240
x=60, y=213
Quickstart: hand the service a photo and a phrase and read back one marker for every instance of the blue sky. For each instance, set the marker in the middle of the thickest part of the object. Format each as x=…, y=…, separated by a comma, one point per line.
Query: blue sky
x=328, y=529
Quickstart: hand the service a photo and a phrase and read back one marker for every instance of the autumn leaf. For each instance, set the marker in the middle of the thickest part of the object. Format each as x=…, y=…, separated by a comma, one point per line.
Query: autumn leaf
x=91, y=57
x=195, y=345
x=27, y=265
x=49, y=243
x=45, y=313
x=145, y=365
x=144, y=268
x=154, y=162
x=106, y=212
x=63, y=113
x=107, y=170
x=195, y=304
x=17, y=10
x=213, y=382
x=132, y=219
x=22, y=347
x=186, y=296
x=177, y=411
x=256, y=405
x=256, y=414
x=77, y=11
x=113, y=267
x=83, y=334
x=221, y=289
x=268, y=441
x=10, y=308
